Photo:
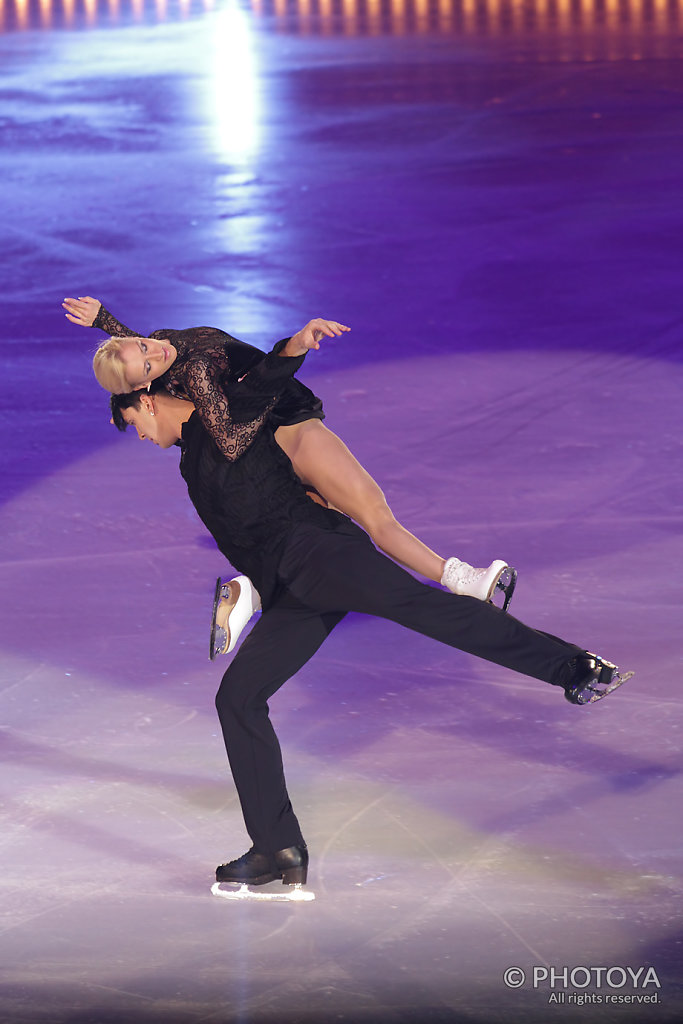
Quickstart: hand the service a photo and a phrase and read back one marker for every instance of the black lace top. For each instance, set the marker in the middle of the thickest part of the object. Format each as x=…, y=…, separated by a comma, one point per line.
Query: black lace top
x=228, y=382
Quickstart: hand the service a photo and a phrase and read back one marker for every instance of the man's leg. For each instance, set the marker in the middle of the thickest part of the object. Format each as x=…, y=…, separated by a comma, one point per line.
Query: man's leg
x=283, y=640
x=342, y=569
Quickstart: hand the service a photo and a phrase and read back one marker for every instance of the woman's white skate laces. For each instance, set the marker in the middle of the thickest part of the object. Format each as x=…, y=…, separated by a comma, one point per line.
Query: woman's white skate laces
x=498, y=580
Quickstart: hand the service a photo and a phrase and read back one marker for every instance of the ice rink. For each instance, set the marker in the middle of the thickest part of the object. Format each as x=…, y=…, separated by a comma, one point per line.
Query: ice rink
x=489, y=193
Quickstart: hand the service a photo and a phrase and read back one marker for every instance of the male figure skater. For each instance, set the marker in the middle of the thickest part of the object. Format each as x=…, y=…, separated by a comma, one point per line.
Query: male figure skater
x=311, y=565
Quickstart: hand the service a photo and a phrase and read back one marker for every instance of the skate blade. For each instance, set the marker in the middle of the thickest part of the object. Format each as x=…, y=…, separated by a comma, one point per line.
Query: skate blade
x=218, y=641
x=295, y=894
x=212, y=639
x=505, y=587
x=618, y=681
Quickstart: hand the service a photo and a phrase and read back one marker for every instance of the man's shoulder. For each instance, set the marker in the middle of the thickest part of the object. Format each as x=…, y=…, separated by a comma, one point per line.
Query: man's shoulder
x=192, y=428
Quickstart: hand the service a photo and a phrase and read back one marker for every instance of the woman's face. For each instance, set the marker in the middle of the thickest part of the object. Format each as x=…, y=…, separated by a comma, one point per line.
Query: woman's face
x=145, y=359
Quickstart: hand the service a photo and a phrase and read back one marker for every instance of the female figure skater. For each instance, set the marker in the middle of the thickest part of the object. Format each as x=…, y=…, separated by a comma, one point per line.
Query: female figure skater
x=198, y=364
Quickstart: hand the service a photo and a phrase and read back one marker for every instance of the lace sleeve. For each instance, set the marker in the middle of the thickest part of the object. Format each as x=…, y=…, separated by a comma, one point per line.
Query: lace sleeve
x=213, y=407
x=104, y=321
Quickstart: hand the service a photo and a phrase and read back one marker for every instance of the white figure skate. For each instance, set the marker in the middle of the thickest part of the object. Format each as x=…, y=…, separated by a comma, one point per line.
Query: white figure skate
x=463, y=579
x=245, y=600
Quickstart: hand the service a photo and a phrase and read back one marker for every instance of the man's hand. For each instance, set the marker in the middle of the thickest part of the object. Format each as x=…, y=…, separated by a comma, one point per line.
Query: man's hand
x=82, y=310
x=309, y=336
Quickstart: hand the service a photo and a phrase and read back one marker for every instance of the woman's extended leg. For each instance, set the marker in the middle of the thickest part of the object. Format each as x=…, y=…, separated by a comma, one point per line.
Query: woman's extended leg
x=322, y=459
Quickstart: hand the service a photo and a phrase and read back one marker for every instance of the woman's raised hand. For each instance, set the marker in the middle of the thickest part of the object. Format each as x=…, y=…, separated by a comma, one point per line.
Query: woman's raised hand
x=82, y=310
x=310, y=335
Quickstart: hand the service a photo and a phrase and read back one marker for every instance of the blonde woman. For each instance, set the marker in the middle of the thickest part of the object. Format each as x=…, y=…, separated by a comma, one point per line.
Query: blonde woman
x=200, y=363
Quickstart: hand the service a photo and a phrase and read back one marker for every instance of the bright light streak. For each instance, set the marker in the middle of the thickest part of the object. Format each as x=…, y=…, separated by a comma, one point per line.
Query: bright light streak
x=235, y=96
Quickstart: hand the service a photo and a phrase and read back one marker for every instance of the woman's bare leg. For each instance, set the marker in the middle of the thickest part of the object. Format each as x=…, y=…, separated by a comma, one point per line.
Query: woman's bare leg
x=322, y=459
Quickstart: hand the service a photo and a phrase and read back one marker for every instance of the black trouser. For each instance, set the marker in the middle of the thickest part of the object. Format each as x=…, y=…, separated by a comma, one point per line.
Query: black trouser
x=326, y=574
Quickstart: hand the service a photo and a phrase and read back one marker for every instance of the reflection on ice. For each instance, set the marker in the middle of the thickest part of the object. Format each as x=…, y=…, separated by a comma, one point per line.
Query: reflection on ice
x=233, y=90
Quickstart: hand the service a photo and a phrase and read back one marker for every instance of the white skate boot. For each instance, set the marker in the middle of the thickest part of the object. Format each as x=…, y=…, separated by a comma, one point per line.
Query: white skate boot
x=463, y=579
x=234, y=603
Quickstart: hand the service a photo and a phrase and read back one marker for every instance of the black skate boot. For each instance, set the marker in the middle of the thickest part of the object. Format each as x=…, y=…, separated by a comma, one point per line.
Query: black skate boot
x=592, y=678
x=253, y=868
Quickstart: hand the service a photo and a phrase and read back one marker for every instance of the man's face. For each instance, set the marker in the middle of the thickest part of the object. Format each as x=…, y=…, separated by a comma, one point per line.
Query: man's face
x=150, y=423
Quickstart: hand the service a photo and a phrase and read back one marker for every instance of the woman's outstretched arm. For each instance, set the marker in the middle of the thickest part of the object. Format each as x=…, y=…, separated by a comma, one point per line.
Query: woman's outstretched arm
x=89, y=312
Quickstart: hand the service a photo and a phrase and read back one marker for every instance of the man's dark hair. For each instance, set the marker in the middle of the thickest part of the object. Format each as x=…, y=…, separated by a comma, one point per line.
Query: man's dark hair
x=117, y=403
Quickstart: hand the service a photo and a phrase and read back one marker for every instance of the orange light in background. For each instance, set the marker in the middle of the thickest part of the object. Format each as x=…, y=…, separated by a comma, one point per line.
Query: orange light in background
x=495, y=16
x=469, y=13
x=563, y=14
x=303, y=17
x=326, y=14
x=90, y=11
x=611, y=13
x=374, y=13
x=350, y=10
x=556, y=29
x=543, y=12
x=22, y=13
x=45, y=13
x=422, y=15
x=398, y=17
x=446, y=8
x=587, y=11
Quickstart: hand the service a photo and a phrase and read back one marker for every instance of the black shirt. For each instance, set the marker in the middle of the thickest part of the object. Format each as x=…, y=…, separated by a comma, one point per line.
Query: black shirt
x=251, y=503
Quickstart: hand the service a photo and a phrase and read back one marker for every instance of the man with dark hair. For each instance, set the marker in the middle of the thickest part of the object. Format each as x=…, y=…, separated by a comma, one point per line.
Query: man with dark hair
x=311, y=565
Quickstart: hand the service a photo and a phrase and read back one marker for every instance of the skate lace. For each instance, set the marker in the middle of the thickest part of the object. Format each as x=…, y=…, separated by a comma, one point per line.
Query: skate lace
x=461, y=574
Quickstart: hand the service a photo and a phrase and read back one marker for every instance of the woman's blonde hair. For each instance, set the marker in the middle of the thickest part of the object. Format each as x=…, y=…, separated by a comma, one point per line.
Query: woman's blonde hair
x=110, y=368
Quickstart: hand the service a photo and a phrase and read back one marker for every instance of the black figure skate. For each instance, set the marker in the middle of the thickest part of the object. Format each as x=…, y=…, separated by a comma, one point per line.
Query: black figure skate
x=253, y=868
x=592, y=679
